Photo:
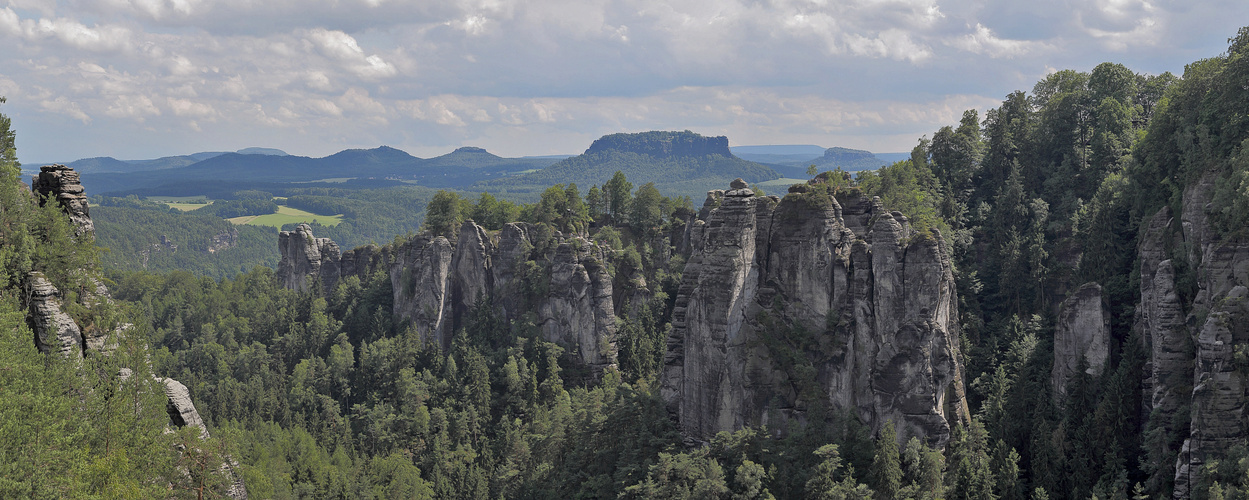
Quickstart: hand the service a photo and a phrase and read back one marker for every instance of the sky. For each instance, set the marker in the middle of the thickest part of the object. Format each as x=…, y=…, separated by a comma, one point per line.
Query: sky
x=136, y=79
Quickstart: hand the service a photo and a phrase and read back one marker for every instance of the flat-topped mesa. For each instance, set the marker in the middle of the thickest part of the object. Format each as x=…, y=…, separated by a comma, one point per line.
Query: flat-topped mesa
x=60, y=183
x=861, y=307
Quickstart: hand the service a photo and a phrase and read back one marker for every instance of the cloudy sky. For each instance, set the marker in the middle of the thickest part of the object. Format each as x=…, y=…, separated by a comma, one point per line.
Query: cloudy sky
x=147, y=78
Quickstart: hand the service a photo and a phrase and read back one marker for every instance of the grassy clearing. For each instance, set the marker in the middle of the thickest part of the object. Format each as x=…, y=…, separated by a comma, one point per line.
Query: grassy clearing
x=183, y=203
x=782, y=182
x=287, y=215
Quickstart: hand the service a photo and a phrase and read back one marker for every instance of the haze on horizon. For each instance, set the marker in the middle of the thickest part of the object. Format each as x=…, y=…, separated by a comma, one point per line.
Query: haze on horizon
x=147, y=78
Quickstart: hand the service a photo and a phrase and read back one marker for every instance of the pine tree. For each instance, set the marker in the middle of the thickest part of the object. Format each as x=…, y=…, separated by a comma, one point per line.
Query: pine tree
x=886, y=472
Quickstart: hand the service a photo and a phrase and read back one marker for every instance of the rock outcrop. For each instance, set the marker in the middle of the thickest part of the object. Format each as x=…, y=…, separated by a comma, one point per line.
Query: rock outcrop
x=787, y=304
x=60, y=183
x=1195, y=336
x=1081, y=337
x=182, y=413
x=436, y=284
x=578, y=310
x=54, y=330
x=307, y=259
x=420, y=276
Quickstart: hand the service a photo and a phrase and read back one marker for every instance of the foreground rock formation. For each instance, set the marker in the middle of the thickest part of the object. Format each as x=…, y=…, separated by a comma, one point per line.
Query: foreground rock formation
x=436, y=283
x=1195, y=342
x=789, y=304
x=56, y=331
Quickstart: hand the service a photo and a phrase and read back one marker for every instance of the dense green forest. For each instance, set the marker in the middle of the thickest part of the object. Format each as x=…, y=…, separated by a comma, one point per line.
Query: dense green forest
x=324, y=395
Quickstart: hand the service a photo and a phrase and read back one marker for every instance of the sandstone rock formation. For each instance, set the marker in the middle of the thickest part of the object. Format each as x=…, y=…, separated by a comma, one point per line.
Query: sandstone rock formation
x=307, y=259
x=1081, y=336
x=865, y=305
x=436, y=283
x=419, y=277
x=60, y=183
x=54, y=330
x=1196, y=342
x=182, y=413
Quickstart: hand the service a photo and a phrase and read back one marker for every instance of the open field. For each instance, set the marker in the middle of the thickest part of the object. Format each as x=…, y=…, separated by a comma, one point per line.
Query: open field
x=287, y=215
x=782, y=182
x=183, y=203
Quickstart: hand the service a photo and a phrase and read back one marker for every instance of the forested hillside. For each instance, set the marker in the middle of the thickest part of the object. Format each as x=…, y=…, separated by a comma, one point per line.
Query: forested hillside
x=1048, y=301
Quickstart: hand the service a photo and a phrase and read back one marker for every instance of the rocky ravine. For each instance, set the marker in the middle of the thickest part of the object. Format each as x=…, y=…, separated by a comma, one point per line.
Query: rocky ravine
x=437, y=282
x=878, y=298
x=1196, y=346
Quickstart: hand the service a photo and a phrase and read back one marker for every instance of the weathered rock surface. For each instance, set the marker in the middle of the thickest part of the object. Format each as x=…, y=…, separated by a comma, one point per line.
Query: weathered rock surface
x=1081, y=335
x=1194, y=341
x=307, y=259
x=54, y=330
x=182, y=413
x=60, y=183
x=879, y=302
x=420, y=276
x=578, y=311
x=436, y=284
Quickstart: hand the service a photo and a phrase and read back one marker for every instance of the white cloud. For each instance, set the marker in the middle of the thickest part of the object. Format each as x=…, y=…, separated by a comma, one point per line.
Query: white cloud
x=983, y=41
x=187, y=107
x=131, y=106
x=64, y=106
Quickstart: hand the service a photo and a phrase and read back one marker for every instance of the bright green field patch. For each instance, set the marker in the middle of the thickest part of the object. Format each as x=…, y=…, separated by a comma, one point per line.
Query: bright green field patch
x=187, y=207
x=287, y=215
x=183, y=203
x=784, y=181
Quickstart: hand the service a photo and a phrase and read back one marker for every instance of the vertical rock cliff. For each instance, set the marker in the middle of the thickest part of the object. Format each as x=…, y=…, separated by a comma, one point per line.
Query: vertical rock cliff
x=786, y=304
x=1196, y=336
x=436, y=283
x=1081, y=336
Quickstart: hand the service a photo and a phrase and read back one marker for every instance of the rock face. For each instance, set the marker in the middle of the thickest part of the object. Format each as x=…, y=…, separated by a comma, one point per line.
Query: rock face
x=420, y=278
x=60, y=183
x=54, y=330
x=306, y=258
x=1194, y=341
x=182, y=413
x=436, y=283
x=578, y=311
x=785, y=304
x=1081, y=334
